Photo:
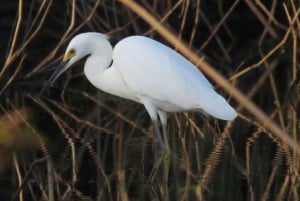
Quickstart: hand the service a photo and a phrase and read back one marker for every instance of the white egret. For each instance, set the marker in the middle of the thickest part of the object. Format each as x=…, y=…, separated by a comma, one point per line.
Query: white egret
x=148, y=72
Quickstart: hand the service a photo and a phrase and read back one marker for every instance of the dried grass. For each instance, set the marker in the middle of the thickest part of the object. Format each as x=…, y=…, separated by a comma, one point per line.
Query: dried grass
x=85, y=145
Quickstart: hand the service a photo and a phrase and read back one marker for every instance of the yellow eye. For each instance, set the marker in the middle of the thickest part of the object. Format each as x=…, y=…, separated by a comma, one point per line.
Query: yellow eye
x=71, y=53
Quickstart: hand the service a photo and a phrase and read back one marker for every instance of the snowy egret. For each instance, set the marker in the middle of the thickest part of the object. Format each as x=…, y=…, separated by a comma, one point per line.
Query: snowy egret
x=145, y=71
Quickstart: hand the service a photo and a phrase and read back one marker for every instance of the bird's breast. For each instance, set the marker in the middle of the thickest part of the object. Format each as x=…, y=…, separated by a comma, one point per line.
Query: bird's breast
x=110, y=81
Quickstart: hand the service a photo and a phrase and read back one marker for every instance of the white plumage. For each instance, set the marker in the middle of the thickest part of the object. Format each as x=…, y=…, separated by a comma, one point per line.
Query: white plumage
x=148, y=72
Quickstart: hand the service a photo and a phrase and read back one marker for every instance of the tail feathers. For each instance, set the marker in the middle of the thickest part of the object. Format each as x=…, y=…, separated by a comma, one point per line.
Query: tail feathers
x=217, y=107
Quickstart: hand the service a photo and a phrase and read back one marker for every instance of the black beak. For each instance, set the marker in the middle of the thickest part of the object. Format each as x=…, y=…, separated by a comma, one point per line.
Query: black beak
x=62, y=67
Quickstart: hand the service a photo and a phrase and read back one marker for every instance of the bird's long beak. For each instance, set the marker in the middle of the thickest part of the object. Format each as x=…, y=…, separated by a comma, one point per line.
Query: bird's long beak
x=62, y=67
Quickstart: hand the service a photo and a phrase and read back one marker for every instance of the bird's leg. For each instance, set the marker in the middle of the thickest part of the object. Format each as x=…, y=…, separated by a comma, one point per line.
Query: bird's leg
x=152, y=110
x=163, y=119
x=158, y=135
x=158, y=157
x=164, y=150
x=154, y=170
x=165, y=135
x=164, y=153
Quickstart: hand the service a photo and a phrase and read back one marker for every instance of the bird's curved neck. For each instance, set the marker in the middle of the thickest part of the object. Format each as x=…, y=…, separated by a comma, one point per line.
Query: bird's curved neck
x=96, y=64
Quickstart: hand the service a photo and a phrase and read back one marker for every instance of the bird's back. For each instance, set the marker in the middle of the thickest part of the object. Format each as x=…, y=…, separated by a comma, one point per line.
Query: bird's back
x=154, y=70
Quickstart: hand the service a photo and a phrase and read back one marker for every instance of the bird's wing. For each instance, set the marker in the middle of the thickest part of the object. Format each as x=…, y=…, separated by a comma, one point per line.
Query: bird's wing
x=154, y=70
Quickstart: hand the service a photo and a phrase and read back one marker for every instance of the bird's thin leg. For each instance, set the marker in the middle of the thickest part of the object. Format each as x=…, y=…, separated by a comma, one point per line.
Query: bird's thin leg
x=152, y=111
x=164, y=150
x=154, y=170
x=158, y=135
x=159, y=150
x=163, y=120
x=163, y=158
x=166, y=154
x=166, y=137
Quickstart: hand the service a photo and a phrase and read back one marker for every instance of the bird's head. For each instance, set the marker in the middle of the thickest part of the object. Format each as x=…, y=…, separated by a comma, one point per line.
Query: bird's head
x=79, y=47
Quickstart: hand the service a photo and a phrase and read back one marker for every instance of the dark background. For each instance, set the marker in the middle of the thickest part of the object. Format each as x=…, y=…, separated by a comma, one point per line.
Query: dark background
x=88, y=138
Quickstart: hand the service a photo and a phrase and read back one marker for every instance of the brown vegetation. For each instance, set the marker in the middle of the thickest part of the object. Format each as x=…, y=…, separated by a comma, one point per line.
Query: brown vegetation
x=77, y=143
